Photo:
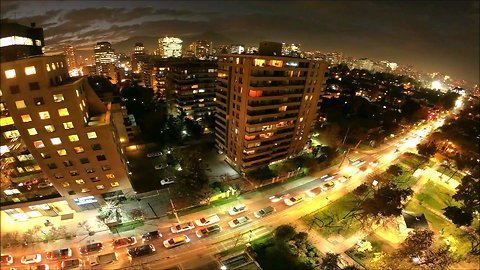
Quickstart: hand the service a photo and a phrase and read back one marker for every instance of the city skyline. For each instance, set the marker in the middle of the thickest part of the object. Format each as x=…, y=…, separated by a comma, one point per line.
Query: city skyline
x=407, y=33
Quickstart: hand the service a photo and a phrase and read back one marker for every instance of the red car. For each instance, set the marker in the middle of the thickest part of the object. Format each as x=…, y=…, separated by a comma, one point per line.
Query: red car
x=124, y=242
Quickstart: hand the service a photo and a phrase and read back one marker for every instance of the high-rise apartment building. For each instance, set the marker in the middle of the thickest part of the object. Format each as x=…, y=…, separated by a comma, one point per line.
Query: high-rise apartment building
x=291, y=49
x=237, y=49
x=138, y=57
x=192, y=87
x=170, y=47
x=70, y=57
x=105, y=60
x=266, y=105
x=18, y=41
x=202, y=49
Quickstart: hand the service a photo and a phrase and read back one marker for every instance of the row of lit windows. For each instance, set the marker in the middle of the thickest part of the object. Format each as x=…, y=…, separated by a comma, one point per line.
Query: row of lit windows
x=38, y=101
x=31, y=70
x=58, y=141
x=77, y=149
x=44, y=115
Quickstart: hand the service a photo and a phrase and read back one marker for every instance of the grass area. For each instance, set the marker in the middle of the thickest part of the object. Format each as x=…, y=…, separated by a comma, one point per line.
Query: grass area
x=367, y=258
x=447, y=173
x=436, y=196
x=127, y=226
x=199, y=208
x=443, y=227
x=413, y=161
x=406, y=179
x=329, y=219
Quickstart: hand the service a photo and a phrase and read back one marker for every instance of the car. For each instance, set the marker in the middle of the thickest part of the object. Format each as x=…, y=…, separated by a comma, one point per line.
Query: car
x=237, y=209
x=294, y=199
x=327, y=177
x=94, y=247
x=42, y=267
x=358, y=163
x=278, y=197
x=69, y=264
x=182, y=227
x=373, y=163
x=141, y=250
x=314, y=191
x=167, y=181
x=208, y=231
x=59, y=254
x=396, y=151
x=44, y=184
x=328, y=185
x=205, y=221
x=124, y=242
x=239, y=221
x=343, y=179
x=154, y=154
x=158, y=167
x=264, y=212
x=29, y=182
x=176, y=241
x=34, y=258
x=151, y=235
x=6, y=259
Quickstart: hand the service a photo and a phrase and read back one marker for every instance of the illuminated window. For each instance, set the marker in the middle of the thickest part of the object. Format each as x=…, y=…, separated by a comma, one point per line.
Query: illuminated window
x=79, y=149
x=45, y=155
x=44, y=115
x=114, y=184
x=68, y=125
x=255, y=93
x=32, y=131
x=62, y=152
x=282, y=108
x=26, y=118
x=80, y=181
x=53, y=66
x=78, y=93
x=56, y=141
x=73, y=138
x=47, y=66
x=49, y=128
x=38, y=101
x=10, y=74
x=30, y=70
x=301, y=119
x=20, y=104
x=92, y=135
x=249, y=137
x=65, y=184
x=259, y=62
x=63, y=112
x=100, y=187
x=110, y=176
x=84, y=190
x=11, y=134
x=39, y=144
x=81, y=106
x=58, y=98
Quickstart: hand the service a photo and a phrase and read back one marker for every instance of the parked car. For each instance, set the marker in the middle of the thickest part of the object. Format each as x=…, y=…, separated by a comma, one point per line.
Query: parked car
x=34, y=258
x=237, y=209
x=94, y=247
x=42, y=267
x=205, y=221
x=239, y=221
x=278, y=197
x=294, y=199
x=158, y=167
x=102, y=259
x=327, y=177
x=167, y=181
x=328, y=185
x=264, y=212
x=44, y=184
x=182, y=227
x=314, y=191
x=208, y=231
x=124, y=242
x=69, y=264
x=176, y=241
x=151, y=235
x=141, y=250
x=59, y=254
x=343, y=179
x=6, y=259
x=154, y=154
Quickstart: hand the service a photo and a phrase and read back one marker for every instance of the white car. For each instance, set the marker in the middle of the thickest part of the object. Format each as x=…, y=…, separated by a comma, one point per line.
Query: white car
x=34, y=258
x=314, y=191
x=358, y=163
x=278, y=197
x=343, y=179
x=327, y=177
x=167, y=181
x=237, y=209
x=182, y=227
x=154, y=154
x=264, y=212
x=294, y=199
x=239, y=221
x=205, y=221
x=158, y=167
x=176, y=241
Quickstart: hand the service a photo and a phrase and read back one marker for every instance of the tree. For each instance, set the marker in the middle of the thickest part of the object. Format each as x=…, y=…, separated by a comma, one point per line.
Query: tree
x=427, y=149
x=458, y=215
x=437, y=259
x=350, y=267
x=468, y=192
x=361, y=189
x=387, y=201
x=284, y=233
x=416, y=243
x=330, y=261
x=395, y=170
x=473, y=235
x=301, y=238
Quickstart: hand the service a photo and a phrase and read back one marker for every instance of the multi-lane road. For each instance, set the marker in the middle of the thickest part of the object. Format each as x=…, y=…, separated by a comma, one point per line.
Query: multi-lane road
x=201, y=251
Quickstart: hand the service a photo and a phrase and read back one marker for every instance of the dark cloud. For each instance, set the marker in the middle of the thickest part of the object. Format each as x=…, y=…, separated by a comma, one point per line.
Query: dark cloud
x=432, y=35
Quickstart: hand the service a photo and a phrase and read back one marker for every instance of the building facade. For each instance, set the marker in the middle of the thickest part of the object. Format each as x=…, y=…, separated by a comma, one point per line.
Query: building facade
x=66, y=129
x=170, y=47
x=17, y=41
x=266, y=106
x=105, y=60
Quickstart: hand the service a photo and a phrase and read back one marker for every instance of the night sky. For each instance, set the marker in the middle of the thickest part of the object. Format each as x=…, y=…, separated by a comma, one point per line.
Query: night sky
x=438, y=36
